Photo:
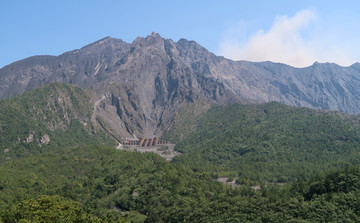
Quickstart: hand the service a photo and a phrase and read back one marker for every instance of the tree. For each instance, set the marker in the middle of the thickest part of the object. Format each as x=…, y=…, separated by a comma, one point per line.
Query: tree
x=46, y=209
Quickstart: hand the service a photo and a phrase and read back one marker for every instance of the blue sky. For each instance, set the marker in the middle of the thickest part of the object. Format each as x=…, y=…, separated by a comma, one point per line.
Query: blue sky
x=293, y=32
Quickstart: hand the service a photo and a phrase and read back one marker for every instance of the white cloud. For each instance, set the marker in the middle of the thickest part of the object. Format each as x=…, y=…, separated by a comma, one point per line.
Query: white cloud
x=283, y=42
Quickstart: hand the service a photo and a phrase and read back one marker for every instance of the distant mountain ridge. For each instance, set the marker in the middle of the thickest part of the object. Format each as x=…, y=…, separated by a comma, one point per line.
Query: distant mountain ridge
x=140, y=85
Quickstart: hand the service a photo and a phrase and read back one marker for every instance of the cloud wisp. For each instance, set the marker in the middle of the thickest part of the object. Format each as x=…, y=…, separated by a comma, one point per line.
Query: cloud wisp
x=284, y=42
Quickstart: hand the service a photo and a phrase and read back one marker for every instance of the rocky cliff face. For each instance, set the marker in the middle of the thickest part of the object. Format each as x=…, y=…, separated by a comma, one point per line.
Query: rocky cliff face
x=140, y=85
x=321, y=86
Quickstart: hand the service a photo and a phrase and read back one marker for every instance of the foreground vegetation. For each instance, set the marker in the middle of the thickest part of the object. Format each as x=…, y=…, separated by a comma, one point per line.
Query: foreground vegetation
x=268, y=143
x=306, y=161
x=94, y=181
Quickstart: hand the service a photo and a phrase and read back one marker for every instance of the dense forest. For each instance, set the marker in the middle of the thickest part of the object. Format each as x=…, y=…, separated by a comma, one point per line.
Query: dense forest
x=56, y=166
x=106, y=185
x=266, y=143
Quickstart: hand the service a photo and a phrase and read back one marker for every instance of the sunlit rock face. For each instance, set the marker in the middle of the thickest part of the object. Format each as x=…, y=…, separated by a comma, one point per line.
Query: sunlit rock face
x=140, y=85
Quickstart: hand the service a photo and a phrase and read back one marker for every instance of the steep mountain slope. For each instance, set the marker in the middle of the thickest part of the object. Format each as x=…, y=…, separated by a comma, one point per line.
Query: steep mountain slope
x=140, y=85
x=267, y=142
x=49, y=117
x=143, y=82
x=321, y=86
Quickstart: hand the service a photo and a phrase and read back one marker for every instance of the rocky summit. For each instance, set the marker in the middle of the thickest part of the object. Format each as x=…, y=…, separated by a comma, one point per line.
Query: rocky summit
x=138, y=87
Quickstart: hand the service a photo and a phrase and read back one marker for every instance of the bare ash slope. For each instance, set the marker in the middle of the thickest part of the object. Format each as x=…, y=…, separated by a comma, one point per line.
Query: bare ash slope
x=140, y=85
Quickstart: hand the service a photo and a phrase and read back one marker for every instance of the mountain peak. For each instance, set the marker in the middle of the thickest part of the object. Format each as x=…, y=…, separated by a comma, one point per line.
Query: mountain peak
x=154, y=35
x=156, y=73
x=150, y=39
x=100, y=41
x=316, y=63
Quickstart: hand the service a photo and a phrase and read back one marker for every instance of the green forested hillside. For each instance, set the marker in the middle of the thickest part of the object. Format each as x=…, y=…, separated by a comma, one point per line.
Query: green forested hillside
x=53, y=116
x=69, y=177
x=268, y=142
x=102, y=178
x=144, y=187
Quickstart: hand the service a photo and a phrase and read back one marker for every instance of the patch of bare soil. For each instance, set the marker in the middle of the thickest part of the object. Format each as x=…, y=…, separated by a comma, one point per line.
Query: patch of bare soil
x=234, y=184
x=165, y=150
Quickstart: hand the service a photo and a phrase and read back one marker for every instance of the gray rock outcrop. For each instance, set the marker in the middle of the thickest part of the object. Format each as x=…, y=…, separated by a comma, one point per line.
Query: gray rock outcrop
x=140, y=85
